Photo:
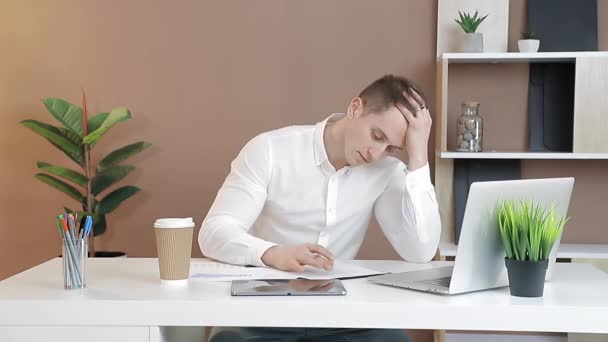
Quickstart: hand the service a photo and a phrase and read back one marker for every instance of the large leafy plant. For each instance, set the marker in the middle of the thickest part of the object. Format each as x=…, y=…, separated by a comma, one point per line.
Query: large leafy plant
x=76, y=137
x=469, y=23
x=528, y=231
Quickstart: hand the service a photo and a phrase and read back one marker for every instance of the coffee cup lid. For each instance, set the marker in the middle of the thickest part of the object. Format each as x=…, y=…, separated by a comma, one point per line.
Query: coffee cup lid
x=186, y=222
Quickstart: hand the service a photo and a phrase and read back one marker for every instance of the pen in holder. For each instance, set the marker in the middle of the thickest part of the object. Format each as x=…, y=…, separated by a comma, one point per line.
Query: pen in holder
x=75, y=254
x=75, y=250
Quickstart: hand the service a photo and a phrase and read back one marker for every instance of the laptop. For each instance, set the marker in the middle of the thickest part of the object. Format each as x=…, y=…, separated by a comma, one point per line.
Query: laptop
x=480, y=255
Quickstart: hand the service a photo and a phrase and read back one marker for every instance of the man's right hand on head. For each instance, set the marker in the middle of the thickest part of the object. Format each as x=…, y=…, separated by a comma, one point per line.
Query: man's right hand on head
x=293, y=258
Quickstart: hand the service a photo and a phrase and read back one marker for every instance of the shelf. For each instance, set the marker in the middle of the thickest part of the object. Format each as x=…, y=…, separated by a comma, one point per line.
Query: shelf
x=584, y=75
x=566, y=250
x=522, y=155
x=518, y=57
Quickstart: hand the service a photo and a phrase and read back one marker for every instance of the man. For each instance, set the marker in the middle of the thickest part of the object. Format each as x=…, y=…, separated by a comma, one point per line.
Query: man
x=304, y=195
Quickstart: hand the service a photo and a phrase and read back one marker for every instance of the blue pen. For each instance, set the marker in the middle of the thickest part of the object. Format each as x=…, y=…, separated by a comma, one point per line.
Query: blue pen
x=88, y=223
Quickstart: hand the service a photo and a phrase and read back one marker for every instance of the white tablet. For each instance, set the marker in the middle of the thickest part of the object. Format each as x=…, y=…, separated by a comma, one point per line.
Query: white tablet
x=288, y=287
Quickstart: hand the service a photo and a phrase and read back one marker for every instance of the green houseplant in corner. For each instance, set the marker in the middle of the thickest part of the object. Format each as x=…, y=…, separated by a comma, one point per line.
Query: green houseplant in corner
x=473, y=40
x=89, y=185
x=528, y=233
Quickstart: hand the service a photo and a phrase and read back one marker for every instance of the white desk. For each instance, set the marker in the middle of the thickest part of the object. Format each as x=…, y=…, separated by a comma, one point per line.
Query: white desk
x=125, y=301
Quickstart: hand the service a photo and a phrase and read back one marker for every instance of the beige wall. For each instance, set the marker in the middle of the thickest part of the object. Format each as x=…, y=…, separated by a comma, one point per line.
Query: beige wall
x=201, y=78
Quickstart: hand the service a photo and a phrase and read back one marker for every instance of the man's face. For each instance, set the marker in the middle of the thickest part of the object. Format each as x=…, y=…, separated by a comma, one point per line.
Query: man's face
x=373, y=136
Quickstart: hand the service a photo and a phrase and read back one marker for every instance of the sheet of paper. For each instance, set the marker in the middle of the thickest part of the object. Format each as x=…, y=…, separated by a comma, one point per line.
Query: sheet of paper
x=214, y=271
x=342, y=269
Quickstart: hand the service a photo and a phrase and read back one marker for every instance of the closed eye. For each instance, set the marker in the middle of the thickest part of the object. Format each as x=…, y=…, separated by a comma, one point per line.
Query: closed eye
x=377, y=136
x=380, y=136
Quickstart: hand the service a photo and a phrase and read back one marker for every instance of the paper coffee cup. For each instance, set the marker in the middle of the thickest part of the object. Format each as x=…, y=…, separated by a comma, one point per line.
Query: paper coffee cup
x=174, y=248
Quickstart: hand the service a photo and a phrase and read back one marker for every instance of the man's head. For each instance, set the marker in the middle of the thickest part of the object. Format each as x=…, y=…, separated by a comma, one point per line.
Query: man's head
x=376, y=127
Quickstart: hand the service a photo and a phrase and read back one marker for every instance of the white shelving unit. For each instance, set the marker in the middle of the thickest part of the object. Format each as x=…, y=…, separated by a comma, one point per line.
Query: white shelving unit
x=519, y=57
x=590, y=113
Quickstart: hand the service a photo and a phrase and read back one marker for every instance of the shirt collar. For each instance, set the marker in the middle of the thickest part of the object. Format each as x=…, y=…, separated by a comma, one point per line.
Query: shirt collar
x=319, y=144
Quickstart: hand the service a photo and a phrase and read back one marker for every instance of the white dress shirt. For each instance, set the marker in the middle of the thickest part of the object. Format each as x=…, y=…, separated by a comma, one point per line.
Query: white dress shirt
x=282, y=189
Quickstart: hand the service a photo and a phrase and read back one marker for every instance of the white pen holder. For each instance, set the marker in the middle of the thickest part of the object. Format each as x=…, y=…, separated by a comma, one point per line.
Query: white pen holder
x=75, y=253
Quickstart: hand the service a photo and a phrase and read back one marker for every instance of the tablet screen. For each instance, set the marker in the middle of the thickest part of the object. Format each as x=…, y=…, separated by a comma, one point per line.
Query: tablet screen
x=287, y=287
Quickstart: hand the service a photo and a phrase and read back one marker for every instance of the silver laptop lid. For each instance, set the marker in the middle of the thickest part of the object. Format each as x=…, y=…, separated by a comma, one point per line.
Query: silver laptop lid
x=480, y=254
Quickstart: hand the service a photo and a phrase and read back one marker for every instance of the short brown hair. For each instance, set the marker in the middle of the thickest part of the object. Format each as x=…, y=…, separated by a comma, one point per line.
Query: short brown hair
x=387, y=91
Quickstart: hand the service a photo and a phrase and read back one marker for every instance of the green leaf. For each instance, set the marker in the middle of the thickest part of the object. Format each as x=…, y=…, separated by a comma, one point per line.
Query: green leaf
x=68, y=114
x=113, y=199
x=99, y=225
x=116, y=115
x=121, y=154
x=77, y=140
x=504, y=230
x=71, y=136
x=65, y=173
x=469, y=23
x=60, y=185
x=95, y=122
x=528, y=231
x=52, y=134
x=109, y=176
x=59, y=137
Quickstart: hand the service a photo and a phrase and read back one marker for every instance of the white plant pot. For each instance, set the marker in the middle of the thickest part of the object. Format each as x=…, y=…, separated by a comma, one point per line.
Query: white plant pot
x=528, y=45
x=472, y=42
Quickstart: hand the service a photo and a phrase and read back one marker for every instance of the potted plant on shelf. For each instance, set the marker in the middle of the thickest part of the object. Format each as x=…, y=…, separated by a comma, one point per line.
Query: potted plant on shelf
x=76, y=137
x=528, y=43
x=473, y=41
x=528, y=233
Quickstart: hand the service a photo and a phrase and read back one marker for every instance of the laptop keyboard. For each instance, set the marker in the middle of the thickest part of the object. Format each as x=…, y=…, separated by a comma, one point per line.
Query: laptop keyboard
x=445, y=281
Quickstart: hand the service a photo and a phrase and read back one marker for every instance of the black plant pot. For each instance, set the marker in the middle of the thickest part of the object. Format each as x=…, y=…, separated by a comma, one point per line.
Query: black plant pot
x=526, y=278
x=106, y=254
x=110, y=254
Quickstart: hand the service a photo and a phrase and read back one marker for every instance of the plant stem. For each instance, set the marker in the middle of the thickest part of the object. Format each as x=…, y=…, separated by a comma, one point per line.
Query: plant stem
x=87, y=170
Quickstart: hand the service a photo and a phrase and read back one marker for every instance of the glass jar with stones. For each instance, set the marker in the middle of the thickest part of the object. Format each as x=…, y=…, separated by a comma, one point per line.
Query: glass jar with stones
x=470, y=128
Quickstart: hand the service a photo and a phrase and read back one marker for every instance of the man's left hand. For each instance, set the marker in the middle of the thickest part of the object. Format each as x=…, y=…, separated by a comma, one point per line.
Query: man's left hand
x=418, y=130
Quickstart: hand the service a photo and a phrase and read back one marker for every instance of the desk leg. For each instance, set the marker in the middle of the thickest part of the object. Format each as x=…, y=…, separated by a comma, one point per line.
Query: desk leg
x=177, y=334
x=439, y=336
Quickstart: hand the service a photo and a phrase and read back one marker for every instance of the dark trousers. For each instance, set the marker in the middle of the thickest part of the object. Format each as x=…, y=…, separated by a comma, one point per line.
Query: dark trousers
x=235, y=334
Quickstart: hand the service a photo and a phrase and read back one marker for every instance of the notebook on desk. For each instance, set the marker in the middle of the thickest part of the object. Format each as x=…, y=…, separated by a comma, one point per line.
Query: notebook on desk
x=480, y=255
